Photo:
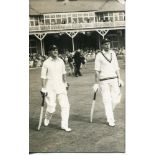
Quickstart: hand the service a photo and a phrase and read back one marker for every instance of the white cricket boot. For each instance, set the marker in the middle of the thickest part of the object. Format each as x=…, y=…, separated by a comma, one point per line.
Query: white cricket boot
x=112, y=124
x=66, y=129
x=47, y=119
x=46, y=122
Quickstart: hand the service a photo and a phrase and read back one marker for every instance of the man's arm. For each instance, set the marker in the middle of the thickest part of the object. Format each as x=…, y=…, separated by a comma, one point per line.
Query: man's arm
x=43, y=77
x=96, y=85
x=118, y=74
x=97, y=73
x=43, y=83
x=64, y=78
x=120, y=82
x=97, y=76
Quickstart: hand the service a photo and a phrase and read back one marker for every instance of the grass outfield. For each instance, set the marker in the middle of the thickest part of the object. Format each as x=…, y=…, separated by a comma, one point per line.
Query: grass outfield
x=85, y=136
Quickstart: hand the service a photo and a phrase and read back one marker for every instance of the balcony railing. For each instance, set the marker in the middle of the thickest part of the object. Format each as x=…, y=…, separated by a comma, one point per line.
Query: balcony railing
x=76, y=26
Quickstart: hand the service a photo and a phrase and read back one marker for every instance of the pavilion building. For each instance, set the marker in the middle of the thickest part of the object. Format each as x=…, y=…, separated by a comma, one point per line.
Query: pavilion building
x=74, y=24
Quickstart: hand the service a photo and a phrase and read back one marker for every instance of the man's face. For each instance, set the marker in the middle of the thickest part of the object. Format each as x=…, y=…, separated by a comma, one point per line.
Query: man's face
x=106, y=46
x=54, y=53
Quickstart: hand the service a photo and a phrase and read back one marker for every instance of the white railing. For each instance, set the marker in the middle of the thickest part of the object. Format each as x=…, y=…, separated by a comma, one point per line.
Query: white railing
x=77, y=26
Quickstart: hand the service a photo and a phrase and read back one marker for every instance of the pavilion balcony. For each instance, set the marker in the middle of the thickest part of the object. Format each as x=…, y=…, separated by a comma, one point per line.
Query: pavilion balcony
x=77, y=26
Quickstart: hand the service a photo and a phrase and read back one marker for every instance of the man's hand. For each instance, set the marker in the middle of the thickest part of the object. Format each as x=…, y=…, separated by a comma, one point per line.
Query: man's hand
x=95, y=87
x=67, y=85
x=44, y=91
x=120, y=83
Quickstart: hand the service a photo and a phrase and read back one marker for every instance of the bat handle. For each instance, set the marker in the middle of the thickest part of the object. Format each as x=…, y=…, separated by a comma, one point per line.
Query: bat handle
x=43, y=100
x=43, y=97
x=95, y=95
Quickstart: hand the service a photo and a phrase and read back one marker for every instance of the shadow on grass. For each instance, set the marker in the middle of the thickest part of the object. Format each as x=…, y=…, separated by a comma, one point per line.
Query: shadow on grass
x=86, y=119
x=33, y=125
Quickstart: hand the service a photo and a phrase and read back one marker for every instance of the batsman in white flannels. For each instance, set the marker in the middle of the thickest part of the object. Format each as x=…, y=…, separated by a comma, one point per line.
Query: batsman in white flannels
x=53, y=76
x=107, y=79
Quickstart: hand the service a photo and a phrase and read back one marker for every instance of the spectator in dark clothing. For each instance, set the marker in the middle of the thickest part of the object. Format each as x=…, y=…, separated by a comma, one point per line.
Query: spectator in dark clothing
x=77, y=63
x=70, y=62
x=83, y=61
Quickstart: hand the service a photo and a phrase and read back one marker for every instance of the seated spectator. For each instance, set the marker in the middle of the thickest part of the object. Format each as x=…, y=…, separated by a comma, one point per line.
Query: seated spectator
x=30, y=62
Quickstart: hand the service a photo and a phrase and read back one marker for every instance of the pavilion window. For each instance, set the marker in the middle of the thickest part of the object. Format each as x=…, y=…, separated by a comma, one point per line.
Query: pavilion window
x=91, y=19
x=86, y=14
x=63, y=15
x=86, y=20
x=91, y=14
x=52, y=16
x=58, y=21
x=69, y=20
x=74, y=20
x=31, y=23
x=64, y=21
x=47, y=16
x=47, y=21
x=58, y=16
x=52, y=21
x=110, y=16
x=79, y=15
x=121, y=16
x=74, y=15
x=80, y=20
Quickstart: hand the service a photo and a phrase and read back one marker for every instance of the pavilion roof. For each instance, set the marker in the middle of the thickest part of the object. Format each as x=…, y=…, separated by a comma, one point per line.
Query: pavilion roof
x=39, y=7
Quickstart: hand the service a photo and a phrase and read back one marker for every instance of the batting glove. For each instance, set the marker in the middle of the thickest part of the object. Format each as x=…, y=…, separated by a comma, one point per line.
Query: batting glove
x=120, y=83
x=44, y=91
x=95, y=87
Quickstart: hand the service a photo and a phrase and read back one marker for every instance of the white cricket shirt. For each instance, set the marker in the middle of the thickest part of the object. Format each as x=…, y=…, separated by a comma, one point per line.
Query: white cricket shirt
x=53, y=70
x=107, y=64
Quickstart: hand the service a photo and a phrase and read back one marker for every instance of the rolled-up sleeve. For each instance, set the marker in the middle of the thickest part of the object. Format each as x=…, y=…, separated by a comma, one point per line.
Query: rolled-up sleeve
x=97, y=63
x=44, y=71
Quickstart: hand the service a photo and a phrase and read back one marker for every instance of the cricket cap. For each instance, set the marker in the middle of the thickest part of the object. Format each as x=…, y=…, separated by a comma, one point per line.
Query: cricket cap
x=53, y=47
x=105, y=40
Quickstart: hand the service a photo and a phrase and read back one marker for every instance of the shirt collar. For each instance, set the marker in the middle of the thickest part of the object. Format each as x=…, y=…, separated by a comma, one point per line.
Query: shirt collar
x=106, y=52
x=50, y=58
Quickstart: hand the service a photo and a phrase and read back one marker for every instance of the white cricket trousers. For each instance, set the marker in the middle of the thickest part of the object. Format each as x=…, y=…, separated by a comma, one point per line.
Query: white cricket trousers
x=111, y=96
x=62, y=99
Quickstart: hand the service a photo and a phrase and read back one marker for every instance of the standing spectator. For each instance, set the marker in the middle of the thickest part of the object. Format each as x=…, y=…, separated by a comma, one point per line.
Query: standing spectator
x=53, y=76
x=77, y=63
x=70, y=62
x=107, y=78
x=65, y=59
x=83, y=61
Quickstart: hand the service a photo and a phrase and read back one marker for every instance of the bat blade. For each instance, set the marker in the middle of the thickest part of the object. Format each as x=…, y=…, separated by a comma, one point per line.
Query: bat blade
x=42, y=109
x=40, y=119
x=93, y=106
x=92, y=111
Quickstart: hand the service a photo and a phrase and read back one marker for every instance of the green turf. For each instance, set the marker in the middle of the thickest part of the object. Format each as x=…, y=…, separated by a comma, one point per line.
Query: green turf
x=85, y=136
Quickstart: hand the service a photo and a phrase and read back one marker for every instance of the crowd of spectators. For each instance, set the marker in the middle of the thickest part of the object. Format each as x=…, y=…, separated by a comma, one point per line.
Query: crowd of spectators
x=36, y=60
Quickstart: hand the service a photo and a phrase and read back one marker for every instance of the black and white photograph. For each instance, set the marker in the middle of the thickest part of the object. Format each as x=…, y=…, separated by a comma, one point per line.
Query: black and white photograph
x=77, y=76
